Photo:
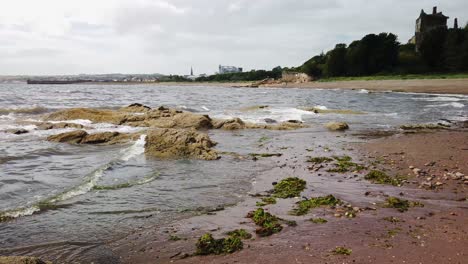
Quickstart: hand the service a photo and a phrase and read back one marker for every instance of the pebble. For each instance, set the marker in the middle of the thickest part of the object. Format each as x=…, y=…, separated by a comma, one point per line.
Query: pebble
x=459, y=174
x=337, y=215
x=439, y=183
x=416, y=171
x=411, y=167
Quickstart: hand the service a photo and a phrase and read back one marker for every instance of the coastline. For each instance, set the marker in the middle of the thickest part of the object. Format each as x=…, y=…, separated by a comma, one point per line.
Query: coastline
x=433, y=233
x=436, y=86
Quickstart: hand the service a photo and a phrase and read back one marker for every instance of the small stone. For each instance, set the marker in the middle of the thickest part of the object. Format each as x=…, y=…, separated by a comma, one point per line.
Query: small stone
x=426, y=184
x=337, y=215
x=459, y=174
x=416, y=171
x=411, y=167
x=439, y=183
x=357, y=209
x=429, y=178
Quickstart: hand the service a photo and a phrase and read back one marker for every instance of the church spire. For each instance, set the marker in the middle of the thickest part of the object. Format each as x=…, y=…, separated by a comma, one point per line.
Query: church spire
x=191, y=71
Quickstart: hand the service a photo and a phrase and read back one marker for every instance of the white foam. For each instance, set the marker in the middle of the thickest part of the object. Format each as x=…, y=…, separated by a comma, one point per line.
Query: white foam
x=279, y=114
x=440, y=98
x=363, y=91
x=205, y=108
x=321, y=107
x=136, y=149
x=83, y=122
x=453, y=104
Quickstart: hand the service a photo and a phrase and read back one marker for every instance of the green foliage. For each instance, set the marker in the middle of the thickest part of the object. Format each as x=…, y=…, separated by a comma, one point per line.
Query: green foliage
x=254, y=75
x=241, y=233
x=380, y=177
x=319, y=160
x=207, y=245
x=289, y=188
x=268, y=223
x=318, y=220
x=342, y=251
x=344, y=164
x=304, y=206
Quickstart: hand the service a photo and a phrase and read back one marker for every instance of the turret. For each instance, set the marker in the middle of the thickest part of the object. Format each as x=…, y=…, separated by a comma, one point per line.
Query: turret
x=455, y=24
x=434, y=10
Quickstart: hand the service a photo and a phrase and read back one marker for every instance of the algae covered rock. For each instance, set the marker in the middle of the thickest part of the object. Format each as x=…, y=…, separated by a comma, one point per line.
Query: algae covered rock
x=82, y=137
x=180, y=143
x=61, y=125
x=337, y=126
x=22, y=260
x=207, y=245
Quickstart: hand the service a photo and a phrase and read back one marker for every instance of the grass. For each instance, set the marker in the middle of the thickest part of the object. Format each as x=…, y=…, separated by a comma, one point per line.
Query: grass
x=344, y=164
x=289, y=188
x=342, y=251
x=207, y=245
x=380, y=177
x=268, y=223
x=304, y=206
x=400, y=204
x=398, y=77
x=319, y=160
x=318, y=220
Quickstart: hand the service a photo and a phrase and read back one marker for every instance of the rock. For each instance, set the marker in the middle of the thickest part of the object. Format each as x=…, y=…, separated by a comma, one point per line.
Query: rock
x=22, y=260
x=180, y=143
x=170, y=118
x=73, y=137
x=230, y=124
x=426, y=184
x=337, y=126
x=62, y=125
x=459, y=174
x=17, y=131
x=82, y=137
x=270, y=121
x=95, y=115
x=416, y=171
x=439, y=183
x=411, y=167
x=135, y=108
x=288, y=125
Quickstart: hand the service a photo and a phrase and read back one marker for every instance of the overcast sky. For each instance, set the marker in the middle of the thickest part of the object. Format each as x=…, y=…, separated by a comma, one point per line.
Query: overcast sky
x=169, y=36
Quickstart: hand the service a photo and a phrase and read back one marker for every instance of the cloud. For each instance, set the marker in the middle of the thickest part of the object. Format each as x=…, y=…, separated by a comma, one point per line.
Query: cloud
x=169, y=36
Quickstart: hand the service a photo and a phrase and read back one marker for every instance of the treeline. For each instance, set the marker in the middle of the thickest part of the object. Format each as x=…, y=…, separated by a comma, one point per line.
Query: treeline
x=254, y=75
x=442, y=50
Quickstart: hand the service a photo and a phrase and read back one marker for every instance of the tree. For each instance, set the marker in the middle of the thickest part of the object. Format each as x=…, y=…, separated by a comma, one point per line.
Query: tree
x=336, y=61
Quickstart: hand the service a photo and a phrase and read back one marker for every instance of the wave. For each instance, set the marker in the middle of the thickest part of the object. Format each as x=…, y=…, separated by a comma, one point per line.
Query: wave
x=441, y=98
x=453, y=104
x=28, y=110
x=89, y=183
x=127, y=184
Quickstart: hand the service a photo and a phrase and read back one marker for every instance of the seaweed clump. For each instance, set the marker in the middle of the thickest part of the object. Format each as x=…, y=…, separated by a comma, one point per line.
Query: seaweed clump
x=268, y=223
x=241, y=233
x=289, y=188
x=319, y=160
x=265, y=155
x=401, y=204
x=207, y=245
x=342, y=251
x=266, y=201
x=318, y=220
x=380, y=177
x=304, y=206
x=344, y=164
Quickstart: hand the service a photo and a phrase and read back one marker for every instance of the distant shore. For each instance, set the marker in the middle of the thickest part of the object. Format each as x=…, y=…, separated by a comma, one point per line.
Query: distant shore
x=442, y=86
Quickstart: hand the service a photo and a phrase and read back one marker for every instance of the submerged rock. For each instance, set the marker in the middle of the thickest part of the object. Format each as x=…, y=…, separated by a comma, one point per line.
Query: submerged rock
x=82, y=137
x=62, y=125
x=17, y=131
x=337, y=126
x=22, y=260
x=95, y=115
x=180, y=143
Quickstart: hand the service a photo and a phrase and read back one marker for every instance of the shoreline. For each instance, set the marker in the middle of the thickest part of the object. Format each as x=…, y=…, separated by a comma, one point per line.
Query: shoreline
x=438, y=227
x=433, y=86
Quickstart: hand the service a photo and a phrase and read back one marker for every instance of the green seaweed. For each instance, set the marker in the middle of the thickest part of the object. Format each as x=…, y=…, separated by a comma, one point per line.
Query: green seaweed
x=241, y=233
x=289, y=188
x=393, y=232
x=174, y=238
x=342, y=251
x=344, y=164
x=5, y=218
x=392, y=219
x=265, y=155
x=266, y=201
x=318, y=220
x=401, y=204
x=207, y=245
x=319, y=160
x=380, y=177
x=304, y=206
x=268, y=223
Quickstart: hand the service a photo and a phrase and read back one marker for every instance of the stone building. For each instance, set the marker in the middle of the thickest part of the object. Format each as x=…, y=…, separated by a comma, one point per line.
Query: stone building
x=426, y=23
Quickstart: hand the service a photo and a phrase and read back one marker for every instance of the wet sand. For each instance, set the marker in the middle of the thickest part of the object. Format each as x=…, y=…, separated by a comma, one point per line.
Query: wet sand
x=435, y=233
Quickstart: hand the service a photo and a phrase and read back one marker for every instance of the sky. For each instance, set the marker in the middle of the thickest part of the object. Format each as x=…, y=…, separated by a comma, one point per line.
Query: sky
x=48, y=37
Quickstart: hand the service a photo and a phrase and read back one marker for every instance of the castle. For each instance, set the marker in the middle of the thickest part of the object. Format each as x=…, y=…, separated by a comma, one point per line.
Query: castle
x=428, y=22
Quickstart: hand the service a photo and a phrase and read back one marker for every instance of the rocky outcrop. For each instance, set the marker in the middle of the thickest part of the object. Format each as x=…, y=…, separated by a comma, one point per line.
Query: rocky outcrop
x=22, y=260
x=337, y=126
x=229, y=124
x=95, y=115
x=82, y=137
x=237, y=123
x=135, y=108
x=180, y=143
x=62, y=125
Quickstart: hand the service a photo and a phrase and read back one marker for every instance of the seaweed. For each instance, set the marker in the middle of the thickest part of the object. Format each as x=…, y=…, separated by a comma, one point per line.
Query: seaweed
x=380, y=177
x=241, y=233
x=207, y=245
x=289, y=188
x=174, y=238
x=344, y=164
x=319, y=160
x=342, y=251
x=268, y=223
x=304, y=206
x=266, y=201
x=318, y=220
x=401, y=204
x=265, y=155
x=392, y=219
